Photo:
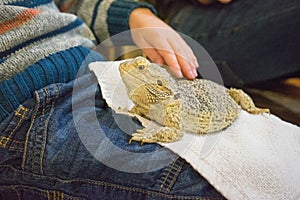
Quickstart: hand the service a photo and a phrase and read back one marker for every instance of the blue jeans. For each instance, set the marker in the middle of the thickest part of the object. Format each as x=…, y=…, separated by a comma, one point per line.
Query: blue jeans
x=43, y=156
x=250, y=41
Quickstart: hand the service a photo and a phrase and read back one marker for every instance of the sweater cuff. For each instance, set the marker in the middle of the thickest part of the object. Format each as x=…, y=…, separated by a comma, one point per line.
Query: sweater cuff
x=112, y=17
x=119, y=12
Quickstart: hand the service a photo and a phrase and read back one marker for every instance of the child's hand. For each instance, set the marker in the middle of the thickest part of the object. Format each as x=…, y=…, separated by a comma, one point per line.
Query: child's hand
x=162, y=44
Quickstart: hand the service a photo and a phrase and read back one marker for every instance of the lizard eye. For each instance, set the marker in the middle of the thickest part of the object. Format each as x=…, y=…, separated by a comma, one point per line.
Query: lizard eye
x=159, y=83
x=141, y=67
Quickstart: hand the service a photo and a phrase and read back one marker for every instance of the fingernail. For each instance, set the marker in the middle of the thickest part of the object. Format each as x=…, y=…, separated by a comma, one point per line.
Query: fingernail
x=196, y=64
x=175, y=74
x=192, y=74
x=195, y=72
x=179, y=74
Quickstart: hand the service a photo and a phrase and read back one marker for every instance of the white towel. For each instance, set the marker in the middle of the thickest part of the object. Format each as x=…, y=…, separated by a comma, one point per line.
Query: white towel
x=257, y=157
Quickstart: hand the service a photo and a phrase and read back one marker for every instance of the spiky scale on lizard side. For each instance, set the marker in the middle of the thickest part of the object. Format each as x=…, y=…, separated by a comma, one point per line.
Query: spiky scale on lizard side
x=180, y=105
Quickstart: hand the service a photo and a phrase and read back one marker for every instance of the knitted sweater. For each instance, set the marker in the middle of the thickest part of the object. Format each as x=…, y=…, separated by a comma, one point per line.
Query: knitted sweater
x=42, y=42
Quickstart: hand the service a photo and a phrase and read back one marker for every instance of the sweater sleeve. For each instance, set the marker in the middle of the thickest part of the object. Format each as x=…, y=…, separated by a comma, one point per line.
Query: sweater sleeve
x=104, y=17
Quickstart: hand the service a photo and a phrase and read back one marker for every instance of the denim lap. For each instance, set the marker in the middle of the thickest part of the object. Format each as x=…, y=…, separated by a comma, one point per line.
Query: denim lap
x=43, y=155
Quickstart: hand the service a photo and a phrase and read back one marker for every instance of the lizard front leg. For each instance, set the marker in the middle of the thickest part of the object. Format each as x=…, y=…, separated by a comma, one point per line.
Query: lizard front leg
x=138, y=110
x=169, y=133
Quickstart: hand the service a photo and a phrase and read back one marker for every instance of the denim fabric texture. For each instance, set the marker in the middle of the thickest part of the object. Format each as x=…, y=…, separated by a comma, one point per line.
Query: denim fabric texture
x=43, y=157
x=250, y=41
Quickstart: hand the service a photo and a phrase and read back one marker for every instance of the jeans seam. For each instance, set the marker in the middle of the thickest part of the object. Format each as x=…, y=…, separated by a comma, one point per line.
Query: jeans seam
x=171, y=175
x=16, y=146
x=13, y=148
x=21, y=112
x=16, y=191
x=166, y=177
x=107, y=184
x=28, y=132
x=179, y=168
x=44, y=129
x=35, y=147
x=45, y=125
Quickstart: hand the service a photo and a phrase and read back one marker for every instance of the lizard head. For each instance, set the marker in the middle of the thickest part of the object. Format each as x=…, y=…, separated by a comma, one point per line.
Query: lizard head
x=139, y=72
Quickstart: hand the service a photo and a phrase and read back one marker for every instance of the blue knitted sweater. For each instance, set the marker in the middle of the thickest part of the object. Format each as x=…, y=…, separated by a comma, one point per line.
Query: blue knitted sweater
x=44, y=42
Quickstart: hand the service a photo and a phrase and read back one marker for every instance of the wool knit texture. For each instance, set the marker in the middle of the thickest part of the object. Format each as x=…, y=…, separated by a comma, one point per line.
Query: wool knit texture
x=42, y=42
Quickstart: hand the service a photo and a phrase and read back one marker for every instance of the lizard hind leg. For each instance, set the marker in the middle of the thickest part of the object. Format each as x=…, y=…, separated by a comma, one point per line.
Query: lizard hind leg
x=163, y=134
x=245, y=101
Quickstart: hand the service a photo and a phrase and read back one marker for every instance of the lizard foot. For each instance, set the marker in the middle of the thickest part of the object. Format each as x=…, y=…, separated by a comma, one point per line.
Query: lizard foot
x=164, y=134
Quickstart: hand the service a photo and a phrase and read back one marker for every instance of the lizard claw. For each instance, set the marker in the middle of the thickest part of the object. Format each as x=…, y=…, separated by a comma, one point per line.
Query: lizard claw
x=164, y=134
x=141, y=137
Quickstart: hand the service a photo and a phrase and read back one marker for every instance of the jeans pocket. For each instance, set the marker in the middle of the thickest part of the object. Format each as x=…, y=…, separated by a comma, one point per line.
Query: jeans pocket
x=13, y=136
x=36, y=136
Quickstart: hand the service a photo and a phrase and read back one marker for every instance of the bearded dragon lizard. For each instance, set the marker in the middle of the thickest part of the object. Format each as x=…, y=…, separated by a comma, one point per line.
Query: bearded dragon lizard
x=179, y=105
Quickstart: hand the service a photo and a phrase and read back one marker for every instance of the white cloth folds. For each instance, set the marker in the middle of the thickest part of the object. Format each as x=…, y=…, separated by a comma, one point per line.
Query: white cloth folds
x=257, y=157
